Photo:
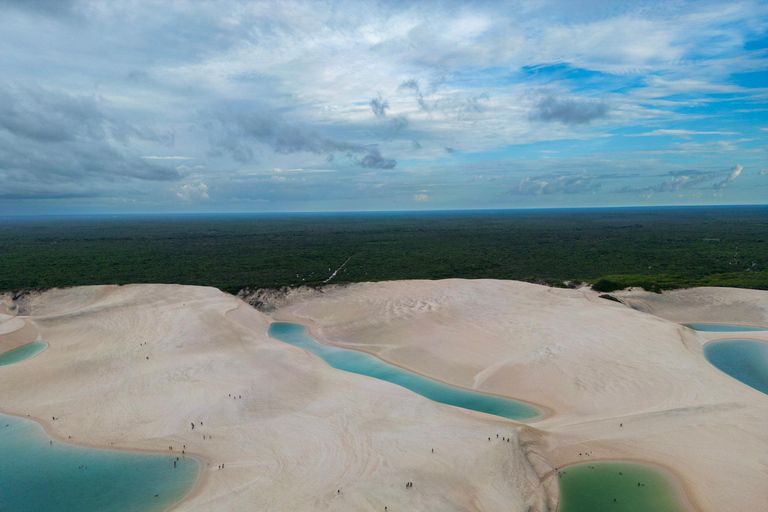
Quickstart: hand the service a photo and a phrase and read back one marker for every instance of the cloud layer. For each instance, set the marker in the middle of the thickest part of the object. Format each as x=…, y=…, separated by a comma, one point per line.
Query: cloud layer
x=177, y=106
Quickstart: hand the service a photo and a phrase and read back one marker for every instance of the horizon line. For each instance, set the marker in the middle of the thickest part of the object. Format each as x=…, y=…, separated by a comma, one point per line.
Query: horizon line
x=338, y=212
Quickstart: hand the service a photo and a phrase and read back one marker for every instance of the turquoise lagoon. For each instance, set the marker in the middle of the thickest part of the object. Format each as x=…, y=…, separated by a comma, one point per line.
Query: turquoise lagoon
x=724, y=328
x=593, y=487
x=21, y=353
x=365, y=364
x=37, y=476
x=745, y=360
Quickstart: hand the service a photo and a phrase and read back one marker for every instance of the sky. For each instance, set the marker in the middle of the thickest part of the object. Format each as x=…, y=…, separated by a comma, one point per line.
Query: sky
x=227, y=106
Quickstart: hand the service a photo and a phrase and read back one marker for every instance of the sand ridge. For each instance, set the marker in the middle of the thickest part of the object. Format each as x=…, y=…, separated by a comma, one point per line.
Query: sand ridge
x=598, y=364
x=132, y=367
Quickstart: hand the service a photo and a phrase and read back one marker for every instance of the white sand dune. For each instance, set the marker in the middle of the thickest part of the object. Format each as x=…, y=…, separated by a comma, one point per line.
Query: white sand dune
x=596, y=363
x=303, y=430
x=300, y=432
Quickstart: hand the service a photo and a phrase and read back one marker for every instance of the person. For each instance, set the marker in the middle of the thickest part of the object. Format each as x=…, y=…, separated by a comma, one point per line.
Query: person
x=433, y=450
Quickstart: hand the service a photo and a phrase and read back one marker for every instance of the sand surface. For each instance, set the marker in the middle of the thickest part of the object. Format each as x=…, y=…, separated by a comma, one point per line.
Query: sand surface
x=596, y=363
x=303, y=430
x=300, y=432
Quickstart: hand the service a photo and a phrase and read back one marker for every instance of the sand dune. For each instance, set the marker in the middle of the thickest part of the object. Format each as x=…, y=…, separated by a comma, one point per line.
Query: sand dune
x=303, y=430
x=595, y=362
x=300, y=431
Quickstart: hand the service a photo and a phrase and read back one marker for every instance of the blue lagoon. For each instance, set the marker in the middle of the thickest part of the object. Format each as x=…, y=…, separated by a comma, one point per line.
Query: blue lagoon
x=365, y=364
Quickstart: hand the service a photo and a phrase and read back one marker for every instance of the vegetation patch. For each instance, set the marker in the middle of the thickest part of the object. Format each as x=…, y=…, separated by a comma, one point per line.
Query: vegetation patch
x=656, y=249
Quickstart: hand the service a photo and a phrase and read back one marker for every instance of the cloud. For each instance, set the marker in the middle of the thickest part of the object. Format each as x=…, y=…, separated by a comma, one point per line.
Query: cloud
x=764, y=171
x=556, y=184
x=295, y=85
x=374, y=160
x=56, y=8
x=233, y=131
x=190, y=192
x=679, y=133
x=421, y=198
x=568, y=111
x=675, y=184
x=49, y=116
x=168, y=158
x=735, y=172
x=687, y=180
x=394, y=126
x=379, y=106
x=449, y=149
x=53, y=144
x=454, y=104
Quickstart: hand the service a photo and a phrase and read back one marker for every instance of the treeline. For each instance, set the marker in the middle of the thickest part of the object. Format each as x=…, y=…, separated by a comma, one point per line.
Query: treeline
x=657, y=249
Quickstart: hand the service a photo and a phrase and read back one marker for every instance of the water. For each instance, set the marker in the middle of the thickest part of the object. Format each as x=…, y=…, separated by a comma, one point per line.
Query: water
x=21, y=353
x=365, y=364
x=583, y=489
x=36, y=477
x=745, y=360
x=724, y=328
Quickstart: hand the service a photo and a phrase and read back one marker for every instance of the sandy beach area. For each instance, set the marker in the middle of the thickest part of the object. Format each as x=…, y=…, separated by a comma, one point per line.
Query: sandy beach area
x=132, y=367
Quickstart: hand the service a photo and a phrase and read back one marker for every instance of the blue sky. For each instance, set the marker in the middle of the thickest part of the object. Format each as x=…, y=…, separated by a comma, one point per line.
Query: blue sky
x=150, y=107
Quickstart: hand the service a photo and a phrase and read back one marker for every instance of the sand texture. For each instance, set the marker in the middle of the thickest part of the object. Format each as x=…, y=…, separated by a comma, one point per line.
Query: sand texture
x=595, y=363
x=302, y=430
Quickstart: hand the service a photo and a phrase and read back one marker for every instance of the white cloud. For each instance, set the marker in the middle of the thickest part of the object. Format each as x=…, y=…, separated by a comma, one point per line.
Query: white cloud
x=168, y=158
x=190, y=192
x=680, y=133
x=421, y=198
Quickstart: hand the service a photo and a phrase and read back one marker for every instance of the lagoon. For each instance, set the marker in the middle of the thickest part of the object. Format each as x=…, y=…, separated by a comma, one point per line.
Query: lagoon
x=593, y=487
x=21, y=353
x=365, y=364
x=36, y=475
x=724, y=328
x=745, y=360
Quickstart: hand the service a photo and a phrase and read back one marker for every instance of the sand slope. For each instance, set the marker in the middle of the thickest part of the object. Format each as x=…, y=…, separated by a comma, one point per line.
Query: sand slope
x=303, y=430
x=300, y=431
x=596, y=363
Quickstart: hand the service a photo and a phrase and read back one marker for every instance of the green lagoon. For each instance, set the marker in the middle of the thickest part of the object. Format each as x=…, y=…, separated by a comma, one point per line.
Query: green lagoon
x=21, y=353
x=365, y=364
x=593, y=488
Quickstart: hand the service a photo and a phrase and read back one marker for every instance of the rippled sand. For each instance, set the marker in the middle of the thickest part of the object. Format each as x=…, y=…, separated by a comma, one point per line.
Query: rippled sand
x=133, y=366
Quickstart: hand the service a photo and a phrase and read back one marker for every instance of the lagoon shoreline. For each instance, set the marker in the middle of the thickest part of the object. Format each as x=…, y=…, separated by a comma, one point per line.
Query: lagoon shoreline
x=592, y=363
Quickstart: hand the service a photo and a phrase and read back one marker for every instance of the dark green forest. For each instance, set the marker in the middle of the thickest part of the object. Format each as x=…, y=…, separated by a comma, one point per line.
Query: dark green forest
x=656, y=248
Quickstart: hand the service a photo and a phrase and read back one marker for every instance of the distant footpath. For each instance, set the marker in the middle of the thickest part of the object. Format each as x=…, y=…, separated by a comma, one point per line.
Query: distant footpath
x=653, y=248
